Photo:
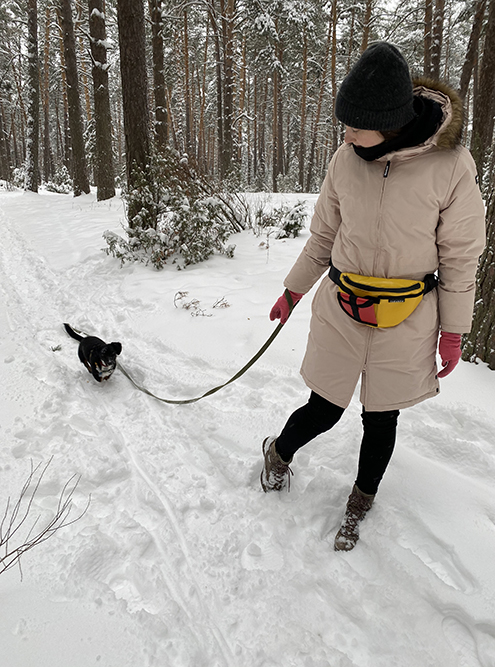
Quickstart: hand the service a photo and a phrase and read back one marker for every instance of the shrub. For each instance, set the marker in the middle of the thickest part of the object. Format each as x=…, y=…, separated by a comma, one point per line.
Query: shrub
x=18, y=177
x=283, y=221
x=176, y=215
x=61, y=182
x=292, y=220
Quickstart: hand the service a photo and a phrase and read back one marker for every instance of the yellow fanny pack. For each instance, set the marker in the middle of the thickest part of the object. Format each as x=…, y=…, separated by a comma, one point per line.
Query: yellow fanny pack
x=380, y=302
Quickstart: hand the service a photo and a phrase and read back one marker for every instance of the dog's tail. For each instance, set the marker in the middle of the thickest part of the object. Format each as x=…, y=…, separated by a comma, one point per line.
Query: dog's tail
x=71, y=332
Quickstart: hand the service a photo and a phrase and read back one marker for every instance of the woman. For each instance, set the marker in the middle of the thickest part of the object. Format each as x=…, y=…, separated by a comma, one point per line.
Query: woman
x=400, y=201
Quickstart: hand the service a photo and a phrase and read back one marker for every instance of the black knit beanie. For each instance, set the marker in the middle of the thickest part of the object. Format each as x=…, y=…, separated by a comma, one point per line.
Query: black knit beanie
x=377, y=94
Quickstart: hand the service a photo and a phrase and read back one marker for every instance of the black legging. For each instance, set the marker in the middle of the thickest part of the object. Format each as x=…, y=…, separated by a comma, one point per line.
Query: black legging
x=319, y=415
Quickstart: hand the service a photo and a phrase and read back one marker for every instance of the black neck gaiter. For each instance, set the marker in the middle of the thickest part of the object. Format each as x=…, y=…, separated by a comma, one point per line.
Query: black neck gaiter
x=429, y=115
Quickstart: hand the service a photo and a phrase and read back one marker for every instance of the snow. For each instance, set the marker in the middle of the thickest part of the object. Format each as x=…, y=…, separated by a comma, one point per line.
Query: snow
x=96, y=12
x=180, y=558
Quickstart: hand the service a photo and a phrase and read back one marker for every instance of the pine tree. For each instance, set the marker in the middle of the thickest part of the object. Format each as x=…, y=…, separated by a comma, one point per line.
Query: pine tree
x=32, y=166
x=80, y=172
x=159, y=87
x=103, y=161
x=480, y=343
x=132, y=45
x=484, y=101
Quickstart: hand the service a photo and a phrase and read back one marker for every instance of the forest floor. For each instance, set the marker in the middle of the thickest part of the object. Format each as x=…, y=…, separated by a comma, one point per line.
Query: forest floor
x=180, y=559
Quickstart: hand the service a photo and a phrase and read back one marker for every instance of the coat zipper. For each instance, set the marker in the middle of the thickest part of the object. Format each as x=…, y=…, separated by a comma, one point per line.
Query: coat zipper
x=364, y=379
x=370, y=288
x=385, y=176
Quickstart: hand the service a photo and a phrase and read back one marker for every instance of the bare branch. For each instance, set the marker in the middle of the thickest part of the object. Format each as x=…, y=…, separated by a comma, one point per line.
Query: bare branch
x=16, y=518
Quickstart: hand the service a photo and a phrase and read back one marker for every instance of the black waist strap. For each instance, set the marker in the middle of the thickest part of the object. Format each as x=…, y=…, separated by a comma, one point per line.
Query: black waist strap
x=334, y=275
x=430, y=281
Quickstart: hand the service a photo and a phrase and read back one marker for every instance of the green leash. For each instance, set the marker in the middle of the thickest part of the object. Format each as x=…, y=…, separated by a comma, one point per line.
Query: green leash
x=252, y=361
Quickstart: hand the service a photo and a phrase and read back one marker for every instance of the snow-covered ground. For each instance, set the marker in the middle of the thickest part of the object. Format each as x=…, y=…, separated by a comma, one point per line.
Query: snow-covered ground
x=181, y=560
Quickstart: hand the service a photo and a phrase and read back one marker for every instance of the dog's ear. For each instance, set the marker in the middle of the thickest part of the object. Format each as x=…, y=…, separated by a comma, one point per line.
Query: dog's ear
x=117, y=347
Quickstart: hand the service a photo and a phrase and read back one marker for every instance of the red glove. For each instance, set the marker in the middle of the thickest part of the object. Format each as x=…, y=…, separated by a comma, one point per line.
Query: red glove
x=281, y=308
x=449, y=348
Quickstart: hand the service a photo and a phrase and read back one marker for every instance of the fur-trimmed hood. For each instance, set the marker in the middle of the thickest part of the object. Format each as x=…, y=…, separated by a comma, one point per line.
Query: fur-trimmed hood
x=449, y=134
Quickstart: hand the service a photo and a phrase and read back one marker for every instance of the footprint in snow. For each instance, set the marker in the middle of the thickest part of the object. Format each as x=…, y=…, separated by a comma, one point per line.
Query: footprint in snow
x=474, y=646
x=441, y=559
x=261, y=556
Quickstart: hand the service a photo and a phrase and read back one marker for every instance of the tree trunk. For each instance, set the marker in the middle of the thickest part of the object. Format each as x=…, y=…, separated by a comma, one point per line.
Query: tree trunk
x=242, y=102
x=59, y=134
x=319, y=104
x=275, y=120
x=194, y=132
x=32, y=168
x=117, y=113
x=367, y=25
x=428, y=31
x=333, y=75
x=187, y=90
x=280, y=116
x=132, y=44
x=80, y=173
x=302, y=132
x=65, y=135
x=483, y=111
x=202, y=142
x=4, y=159
x=227, y=8
x=219, y=83
x=17, y=156
x=171, y=121
x=47, y=150
x=161, y=120
x=104, y=167
x=262, y=168
x=351, y=41
x=472, y=50
x=480, y=342
x=436, y=48
x=23, y=114
x=248, y=133
x=130, y=16
x=82, y=60
x=255, y=128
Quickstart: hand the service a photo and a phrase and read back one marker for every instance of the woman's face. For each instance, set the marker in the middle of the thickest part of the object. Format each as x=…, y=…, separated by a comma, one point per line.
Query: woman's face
x=363, y=138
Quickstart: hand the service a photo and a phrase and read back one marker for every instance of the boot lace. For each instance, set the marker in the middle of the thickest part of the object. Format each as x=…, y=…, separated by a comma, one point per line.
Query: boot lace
x=356, y=509
x=276, y=474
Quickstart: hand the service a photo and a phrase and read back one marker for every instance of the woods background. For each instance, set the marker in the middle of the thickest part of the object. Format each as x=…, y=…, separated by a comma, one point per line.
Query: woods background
x=242, y=92
x=246, y=88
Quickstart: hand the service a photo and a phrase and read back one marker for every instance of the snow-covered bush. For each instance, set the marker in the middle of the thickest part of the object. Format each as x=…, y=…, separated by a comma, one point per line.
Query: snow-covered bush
x=282, y=221
x=176, y=215
x=192, y=234
x=6, y=185
x=292, y=220
x=18, y=177
x=61, y=182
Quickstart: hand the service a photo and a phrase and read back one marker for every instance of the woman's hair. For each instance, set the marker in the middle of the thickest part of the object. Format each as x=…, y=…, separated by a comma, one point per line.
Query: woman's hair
x=388, y=135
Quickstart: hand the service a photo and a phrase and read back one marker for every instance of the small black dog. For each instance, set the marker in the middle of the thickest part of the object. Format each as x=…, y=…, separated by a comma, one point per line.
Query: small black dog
x=100, y=358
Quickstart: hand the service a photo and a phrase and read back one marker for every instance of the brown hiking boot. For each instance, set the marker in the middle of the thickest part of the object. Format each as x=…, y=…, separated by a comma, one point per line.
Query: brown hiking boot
x=276, y=473
x=358, y=505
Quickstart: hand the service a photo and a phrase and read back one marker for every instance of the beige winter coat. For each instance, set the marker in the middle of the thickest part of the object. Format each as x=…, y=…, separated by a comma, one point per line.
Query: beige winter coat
x=421, y=215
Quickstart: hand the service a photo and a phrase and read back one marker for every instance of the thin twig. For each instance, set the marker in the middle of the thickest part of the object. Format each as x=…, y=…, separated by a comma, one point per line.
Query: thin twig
x=15, y=518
